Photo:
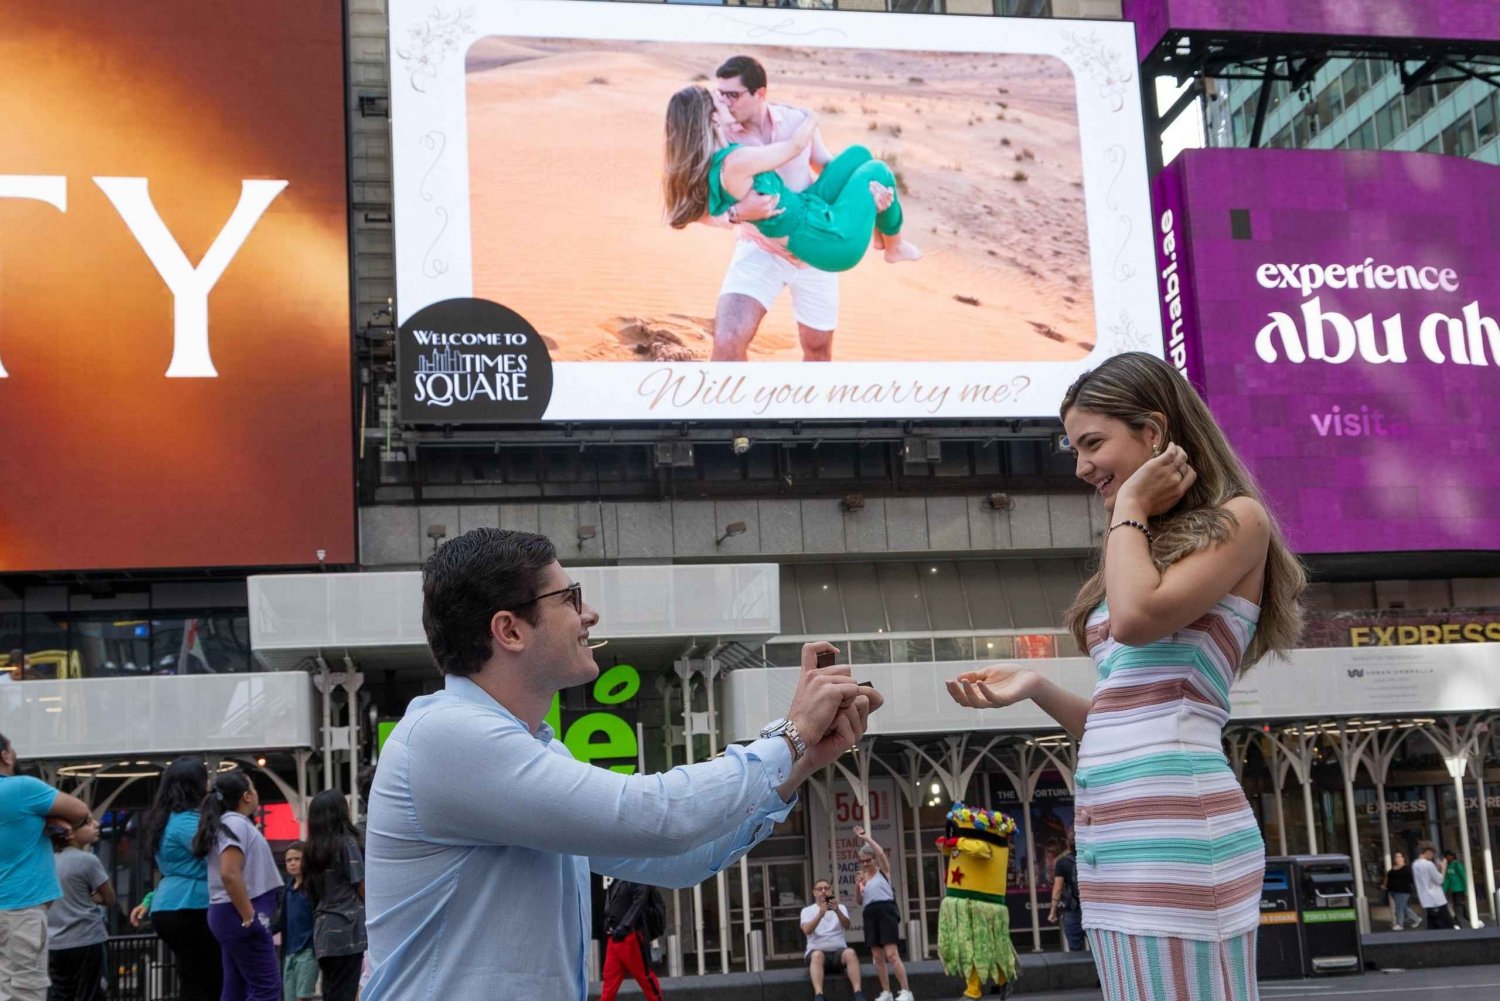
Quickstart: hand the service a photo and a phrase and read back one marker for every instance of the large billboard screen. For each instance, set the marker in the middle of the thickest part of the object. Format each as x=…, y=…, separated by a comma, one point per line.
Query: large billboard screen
x=539, y=277
x=1341, y=312
x=1443, y=20
x=174, y=285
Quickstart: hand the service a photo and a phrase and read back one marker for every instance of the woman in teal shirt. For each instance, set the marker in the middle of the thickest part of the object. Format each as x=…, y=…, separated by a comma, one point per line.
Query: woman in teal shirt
x=179, y=904
x=826, y=226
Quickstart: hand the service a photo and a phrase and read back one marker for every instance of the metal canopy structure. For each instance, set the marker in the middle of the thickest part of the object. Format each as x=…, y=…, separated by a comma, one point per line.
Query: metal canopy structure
x=1194, y=57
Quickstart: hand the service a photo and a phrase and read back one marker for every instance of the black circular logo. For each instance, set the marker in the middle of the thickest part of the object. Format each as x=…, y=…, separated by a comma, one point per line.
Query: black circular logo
x=472, y=360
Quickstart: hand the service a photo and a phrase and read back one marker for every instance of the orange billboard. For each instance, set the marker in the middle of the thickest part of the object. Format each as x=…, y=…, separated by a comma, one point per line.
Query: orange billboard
x=174, y=285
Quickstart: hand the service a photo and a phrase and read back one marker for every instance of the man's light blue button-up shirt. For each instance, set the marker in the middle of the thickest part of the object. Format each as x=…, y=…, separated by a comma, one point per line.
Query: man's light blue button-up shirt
x=481, y=835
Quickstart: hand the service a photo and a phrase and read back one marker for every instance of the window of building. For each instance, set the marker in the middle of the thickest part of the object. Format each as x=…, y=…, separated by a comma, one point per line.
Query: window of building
x=1487, y=118
x=864, y=610
x=1353, y=82
x=1328, y=105
x=1377, y=69
x=1458, y=138
x=1364, y=136
x=1418, y=103
x=953, y=648
x=1390, y=121
x=213, y=643
x=911, y=651
x=905, y=607
x=1433, y=145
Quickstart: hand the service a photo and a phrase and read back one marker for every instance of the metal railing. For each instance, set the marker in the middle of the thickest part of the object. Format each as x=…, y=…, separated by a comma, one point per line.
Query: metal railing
x=140, y=968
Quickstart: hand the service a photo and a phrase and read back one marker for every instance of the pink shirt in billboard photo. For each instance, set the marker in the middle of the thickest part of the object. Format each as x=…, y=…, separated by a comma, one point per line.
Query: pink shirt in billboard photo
x=797, y=172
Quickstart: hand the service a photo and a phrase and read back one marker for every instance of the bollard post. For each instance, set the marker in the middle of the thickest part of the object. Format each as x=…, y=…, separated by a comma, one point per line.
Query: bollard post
x=916, y=938
x=755, y=950
x=674, y=955
x=593, y=961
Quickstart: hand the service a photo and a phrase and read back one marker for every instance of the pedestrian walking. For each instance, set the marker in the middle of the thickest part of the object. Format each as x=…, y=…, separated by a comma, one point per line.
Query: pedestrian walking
x=1065, y=906
x=1456, y=887
x=633, y=916
x=1429, y=884
x=28, y=877
x=243, y=889
x=178, y=907
x=1398, y=886
x=299, y=965
x=882, y=918
x=335, y=870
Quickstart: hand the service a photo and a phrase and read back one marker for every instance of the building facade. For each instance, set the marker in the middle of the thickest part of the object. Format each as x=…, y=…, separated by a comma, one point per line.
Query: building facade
x=915, y=546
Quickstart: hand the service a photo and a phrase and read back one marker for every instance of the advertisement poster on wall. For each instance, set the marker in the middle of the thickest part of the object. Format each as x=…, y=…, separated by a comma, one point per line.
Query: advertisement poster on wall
x=564, y=178
x=883, y=822
x=1051, y=819
x=1340, y=312
x=174, y=286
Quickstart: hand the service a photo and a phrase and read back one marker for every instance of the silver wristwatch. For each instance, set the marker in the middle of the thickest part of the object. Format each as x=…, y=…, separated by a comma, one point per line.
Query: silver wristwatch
x=786, y=728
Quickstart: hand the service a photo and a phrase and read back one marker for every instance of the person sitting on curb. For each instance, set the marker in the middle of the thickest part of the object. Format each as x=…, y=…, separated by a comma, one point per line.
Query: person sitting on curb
x=824, y=922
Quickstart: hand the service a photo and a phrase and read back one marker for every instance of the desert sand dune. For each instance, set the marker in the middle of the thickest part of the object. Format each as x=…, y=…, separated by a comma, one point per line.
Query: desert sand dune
x=565, y=167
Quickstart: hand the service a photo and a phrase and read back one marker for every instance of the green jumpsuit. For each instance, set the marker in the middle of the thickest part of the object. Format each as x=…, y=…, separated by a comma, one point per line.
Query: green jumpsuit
x=828, y=225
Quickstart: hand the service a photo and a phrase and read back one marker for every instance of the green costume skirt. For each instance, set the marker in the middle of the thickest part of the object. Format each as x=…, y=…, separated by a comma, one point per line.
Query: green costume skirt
x=975, y=934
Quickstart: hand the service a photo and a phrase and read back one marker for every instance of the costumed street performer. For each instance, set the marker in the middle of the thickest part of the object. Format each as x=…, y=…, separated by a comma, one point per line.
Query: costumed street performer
x=974, y=921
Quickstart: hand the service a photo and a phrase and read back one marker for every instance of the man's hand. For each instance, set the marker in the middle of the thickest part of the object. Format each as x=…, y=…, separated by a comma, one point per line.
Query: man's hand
x=757, y=206
x=830, y=710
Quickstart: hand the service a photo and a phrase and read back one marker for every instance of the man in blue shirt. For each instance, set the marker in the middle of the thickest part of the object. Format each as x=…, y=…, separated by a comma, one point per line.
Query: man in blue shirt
x=28, y=878
x=483, y=829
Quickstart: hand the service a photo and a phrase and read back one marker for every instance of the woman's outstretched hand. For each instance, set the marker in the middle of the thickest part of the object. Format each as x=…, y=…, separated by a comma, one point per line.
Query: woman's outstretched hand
x=993, y=687
x=1161, y=482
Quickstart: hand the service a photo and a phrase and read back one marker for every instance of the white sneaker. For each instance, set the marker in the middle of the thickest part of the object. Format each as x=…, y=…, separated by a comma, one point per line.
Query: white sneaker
x=905, y=996
x=883, y=996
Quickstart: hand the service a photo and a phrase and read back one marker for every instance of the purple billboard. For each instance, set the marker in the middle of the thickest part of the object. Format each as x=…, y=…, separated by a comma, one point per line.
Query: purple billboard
x=1435, y=19
x=1338, y=310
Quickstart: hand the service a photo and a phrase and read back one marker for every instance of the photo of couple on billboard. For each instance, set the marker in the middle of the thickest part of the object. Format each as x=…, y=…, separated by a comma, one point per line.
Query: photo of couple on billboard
x=663, y=202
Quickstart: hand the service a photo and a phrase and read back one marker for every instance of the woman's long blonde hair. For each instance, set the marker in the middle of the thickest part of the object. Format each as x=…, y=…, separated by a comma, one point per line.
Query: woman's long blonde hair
x=1135, y=388
x=690, y=148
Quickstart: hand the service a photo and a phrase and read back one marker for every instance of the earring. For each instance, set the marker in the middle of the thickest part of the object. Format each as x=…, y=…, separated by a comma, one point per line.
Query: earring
x=1156, y=450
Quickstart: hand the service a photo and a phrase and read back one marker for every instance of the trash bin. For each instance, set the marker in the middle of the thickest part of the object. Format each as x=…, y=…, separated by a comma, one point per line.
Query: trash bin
x=1278, y=949
x=1324, y=886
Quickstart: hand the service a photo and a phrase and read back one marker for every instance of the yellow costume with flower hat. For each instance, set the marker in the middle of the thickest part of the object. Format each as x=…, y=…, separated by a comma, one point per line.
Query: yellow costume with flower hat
x=974, y=920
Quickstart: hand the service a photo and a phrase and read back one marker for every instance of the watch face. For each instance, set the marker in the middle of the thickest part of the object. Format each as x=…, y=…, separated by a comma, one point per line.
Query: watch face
x=774, y=727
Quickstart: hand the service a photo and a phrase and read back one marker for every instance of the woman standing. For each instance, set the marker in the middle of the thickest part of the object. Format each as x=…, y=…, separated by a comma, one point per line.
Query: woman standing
x=179, y=905
x=1195, y=585
x=243, y=889
x=76, y=958
x=1398, y=886
x=334, y=871
x=882, y=918
x=1456, y=886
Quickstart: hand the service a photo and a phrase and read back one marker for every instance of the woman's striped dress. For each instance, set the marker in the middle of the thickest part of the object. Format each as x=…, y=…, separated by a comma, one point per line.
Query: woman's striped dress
x=1170, y=857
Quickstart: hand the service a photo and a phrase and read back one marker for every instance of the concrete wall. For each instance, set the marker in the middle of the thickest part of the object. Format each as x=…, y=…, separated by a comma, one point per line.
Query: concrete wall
x=392, y=536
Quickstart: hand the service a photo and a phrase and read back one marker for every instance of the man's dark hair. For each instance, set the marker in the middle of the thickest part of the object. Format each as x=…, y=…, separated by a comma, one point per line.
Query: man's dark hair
x=748, y=69
x=4, y=742
x=468, y=580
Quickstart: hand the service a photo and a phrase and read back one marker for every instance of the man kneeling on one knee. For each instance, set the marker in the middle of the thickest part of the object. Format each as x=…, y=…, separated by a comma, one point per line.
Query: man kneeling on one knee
x=824, y=922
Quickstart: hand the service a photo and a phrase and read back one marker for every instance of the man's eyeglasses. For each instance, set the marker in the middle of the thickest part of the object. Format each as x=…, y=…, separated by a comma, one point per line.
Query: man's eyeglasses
x=732, y=95
x=573, y=591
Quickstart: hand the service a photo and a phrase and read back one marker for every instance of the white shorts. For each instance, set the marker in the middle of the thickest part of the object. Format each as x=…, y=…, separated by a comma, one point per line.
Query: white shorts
x=761, y=275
